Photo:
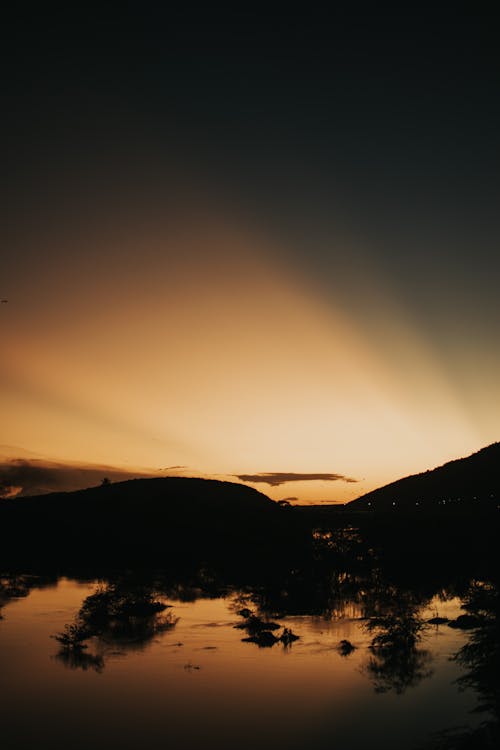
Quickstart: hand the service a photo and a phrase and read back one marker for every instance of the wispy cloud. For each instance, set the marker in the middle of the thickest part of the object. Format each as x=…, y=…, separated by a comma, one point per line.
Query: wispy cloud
x=274, y=479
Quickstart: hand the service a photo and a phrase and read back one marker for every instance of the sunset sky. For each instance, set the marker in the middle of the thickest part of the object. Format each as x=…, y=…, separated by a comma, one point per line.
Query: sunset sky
x=236, y=245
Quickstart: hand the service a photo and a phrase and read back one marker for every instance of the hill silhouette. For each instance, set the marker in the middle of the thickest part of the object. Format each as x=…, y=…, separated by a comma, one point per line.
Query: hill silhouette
x=463, y=485
x=142, y=520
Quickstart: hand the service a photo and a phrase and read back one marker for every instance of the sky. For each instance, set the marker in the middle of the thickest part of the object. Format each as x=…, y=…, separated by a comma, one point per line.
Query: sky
x=255, y=247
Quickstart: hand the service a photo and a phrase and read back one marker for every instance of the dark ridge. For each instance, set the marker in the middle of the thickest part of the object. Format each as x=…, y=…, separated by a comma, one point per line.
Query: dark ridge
x=143, y=521
x=463, y=485
x=197, y=493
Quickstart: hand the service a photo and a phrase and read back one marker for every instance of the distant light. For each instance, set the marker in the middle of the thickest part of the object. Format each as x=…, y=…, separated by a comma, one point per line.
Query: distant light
x=394, y=503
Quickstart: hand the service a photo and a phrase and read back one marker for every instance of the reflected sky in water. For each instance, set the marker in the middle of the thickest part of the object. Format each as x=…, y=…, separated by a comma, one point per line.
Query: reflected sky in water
x=198, y=684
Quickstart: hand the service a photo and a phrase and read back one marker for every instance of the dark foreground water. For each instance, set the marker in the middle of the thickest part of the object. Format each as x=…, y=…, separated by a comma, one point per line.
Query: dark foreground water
x=182, y=677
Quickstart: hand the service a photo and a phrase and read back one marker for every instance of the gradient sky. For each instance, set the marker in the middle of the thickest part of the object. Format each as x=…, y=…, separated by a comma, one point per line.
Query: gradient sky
x=248, y=244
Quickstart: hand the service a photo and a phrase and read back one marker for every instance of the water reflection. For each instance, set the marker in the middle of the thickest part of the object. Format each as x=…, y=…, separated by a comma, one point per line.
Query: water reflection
x=15, y=585
x=396, y=661
x=481, y=654
x=121, y=614
x=261, y=631
x=398, y=667
x=315, y=626
x=480, y=657
x=18, y=585
x=79, y=659
x=130, y=612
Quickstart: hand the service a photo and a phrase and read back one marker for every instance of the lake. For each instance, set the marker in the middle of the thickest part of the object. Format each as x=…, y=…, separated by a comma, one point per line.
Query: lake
x=182, y=677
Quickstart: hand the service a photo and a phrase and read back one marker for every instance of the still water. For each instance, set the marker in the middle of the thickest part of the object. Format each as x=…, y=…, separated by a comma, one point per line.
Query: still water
x=195, y=683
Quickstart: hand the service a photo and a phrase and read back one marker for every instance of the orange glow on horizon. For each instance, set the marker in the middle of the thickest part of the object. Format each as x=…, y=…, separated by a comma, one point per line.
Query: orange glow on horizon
x=190, y=346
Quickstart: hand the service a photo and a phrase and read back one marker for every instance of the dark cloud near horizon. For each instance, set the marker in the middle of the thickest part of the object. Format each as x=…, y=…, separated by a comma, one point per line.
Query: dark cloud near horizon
x=20, y=477
x=274, y=479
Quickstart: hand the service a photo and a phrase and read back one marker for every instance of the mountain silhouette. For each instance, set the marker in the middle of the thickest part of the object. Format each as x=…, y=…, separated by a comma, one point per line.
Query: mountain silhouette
x=465, y=484
x=139, y=520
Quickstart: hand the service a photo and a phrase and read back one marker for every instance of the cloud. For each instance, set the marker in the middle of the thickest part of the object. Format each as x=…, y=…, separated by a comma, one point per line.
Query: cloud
x=274, y=479
x=9, y=490
x=327, y=502
x=19, y=476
